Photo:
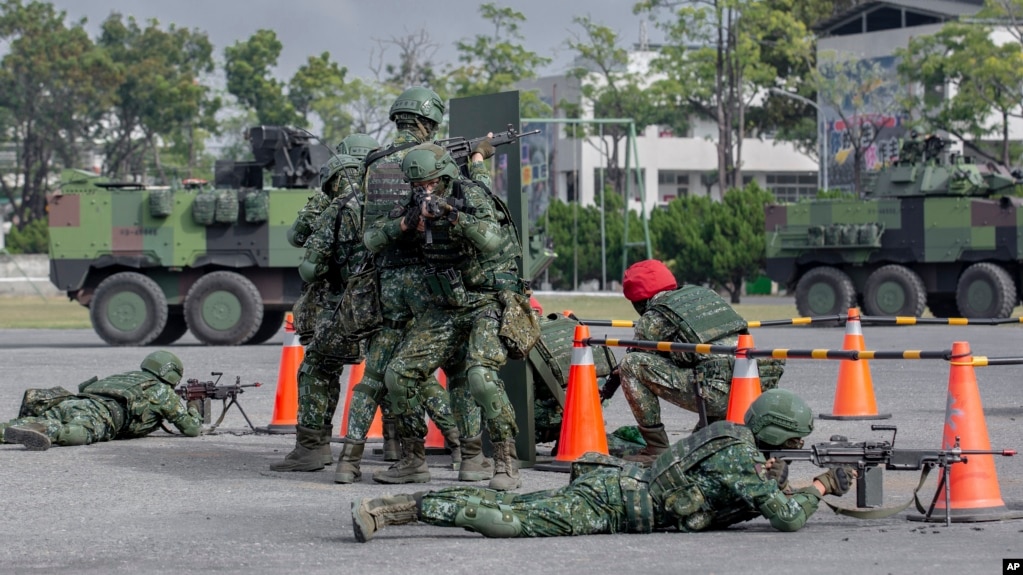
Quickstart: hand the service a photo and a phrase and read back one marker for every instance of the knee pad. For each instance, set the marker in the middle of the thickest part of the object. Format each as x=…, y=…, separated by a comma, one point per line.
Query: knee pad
x=311, y=366
x=484, y=389
x=401, y=394
x=72, y=435
x=488, y=519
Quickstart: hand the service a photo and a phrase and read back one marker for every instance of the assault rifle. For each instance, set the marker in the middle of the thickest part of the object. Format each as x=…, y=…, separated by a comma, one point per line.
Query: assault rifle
x=206, y=391
x=461, y=148
x=869, y=457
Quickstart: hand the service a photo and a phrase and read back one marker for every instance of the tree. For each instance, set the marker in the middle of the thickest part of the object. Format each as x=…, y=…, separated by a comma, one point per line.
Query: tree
x=318, y=88
x=54, y=83
x=680, y=239
x=248, y=66
x=985, y=77
x=737, y=238
x=714, y=66
x=159, y=96
x=494, y=63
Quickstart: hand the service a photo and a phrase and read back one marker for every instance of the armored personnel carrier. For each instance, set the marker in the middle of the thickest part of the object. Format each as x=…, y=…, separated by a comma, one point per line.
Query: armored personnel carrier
x=153, y=263
x=934, y=230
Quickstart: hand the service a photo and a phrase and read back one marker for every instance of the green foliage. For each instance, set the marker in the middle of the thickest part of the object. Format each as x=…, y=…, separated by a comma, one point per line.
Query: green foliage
x=318, y=88
x=679, y=234
x=32, y=238
x=737, y=241
x=495, y=62
x=248, y=66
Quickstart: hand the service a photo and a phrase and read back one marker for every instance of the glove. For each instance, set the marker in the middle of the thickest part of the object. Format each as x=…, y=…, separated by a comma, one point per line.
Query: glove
x=779, y=472
x=837, y=481
x=484, y=147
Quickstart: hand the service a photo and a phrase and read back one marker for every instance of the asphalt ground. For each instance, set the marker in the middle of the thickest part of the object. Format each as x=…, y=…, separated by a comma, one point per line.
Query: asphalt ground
x=170, y=504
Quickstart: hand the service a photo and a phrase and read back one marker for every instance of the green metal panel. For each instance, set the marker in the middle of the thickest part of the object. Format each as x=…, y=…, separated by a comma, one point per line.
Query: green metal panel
x=471, y=118
x=189, y=237
x=948, y=231
x=284, y=206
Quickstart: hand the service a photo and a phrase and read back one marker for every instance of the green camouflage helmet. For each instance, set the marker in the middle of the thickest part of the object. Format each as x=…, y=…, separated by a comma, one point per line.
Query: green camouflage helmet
x=421, y=102
x=334, y=166
x=358, y=145
x=164, y=365
x=427, y=162
x=777, y=416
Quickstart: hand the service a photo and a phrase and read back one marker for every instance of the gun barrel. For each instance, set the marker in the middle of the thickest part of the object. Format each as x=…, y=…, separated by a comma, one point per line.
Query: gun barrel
x=1002, y=452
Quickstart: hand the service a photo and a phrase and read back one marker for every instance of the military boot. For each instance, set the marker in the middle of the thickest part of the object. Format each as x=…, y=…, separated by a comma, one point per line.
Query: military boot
x=347, y=470
x=452, y=440
x=328, y=457
x=506, y=467
x=372, y=515
x=31, y=435
x=656, y=443
x=411, y=468
x=307, y=455
x=474, y=466
x=392, y=447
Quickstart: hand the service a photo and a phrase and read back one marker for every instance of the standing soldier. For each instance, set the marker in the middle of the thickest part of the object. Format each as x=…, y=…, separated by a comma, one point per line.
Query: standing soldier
x=416, y=113
x=472, y=281
x=122, y=406
x=333, y=250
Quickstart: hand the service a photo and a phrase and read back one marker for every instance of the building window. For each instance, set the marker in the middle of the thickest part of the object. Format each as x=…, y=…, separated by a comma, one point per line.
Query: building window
x=637, y=177
x=792, y=187
x=672, y=184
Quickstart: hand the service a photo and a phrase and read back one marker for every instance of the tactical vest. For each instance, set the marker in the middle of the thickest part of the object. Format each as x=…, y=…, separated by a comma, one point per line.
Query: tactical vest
x=386, y=189
x=128, y=389
x=673, y=491
x=551, y=357
x=700, y=315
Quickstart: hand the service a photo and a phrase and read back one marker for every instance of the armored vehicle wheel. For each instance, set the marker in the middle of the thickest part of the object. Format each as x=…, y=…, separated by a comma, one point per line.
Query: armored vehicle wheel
x=943, y=305
x=894, y=290
x=824, y=291
x=272, y=321
x=223, y=308
x=128, y=308
x=986, y=290
x=172, y=332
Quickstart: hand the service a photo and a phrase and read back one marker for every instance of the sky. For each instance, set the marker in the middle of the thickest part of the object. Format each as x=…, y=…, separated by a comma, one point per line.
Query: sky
x=349, y=29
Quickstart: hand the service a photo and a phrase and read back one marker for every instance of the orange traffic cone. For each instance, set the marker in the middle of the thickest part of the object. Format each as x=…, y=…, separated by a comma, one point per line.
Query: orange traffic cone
x=854, y=395
x=434, y=438
x=376, y=428
x=745, y=386
x=582, y=424
x=285, y=415
x=974, y=494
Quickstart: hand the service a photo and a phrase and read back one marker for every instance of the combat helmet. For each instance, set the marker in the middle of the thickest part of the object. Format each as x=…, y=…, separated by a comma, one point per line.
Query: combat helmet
x=427, y=162
x=777, y=416
x=334, y=166
x=419, y=101
x=164, y=365
x=358, y=145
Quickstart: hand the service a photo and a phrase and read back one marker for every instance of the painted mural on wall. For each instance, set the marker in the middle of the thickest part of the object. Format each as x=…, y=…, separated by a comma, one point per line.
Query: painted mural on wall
x=860, y=99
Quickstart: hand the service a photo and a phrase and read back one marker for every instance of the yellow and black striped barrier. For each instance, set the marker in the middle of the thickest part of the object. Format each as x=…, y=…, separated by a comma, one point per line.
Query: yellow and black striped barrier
x=840, y=319
x=706, y=348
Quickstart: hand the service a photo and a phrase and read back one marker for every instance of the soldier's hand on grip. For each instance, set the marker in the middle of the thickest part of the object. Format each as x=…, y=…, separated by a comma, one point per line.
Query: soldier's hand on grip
x=837, y=480
x=778, y=470
x=484, y=147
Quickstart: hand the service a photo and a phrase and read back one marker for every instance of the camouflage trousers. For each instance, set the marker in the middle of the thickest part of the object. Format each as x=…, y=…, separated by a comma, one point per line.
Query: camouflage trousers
x=307, y=309
x=648, y=377
x=592, y=503
x=457, y=341
x=327, y=353
x=77, y=421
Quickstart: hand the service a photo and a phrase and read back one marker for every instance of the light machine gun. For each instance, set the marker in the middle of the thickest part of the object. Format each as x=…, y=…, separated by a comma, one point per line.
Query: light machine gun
x=870, y=457
x=207, y=391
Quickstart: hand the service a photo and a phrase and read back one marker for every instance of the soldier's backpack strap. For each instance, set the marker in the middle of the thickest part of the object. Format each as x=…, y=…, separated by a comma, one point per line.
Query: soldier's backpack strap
x=384, y=152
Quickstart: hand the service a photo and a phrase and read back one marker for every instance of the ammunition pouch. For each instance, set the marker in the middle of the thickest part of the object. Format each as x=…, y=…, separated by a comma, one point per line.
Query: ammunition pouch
x=446, y=285
x=360, y=311
x=688, y=505
x=520, y=329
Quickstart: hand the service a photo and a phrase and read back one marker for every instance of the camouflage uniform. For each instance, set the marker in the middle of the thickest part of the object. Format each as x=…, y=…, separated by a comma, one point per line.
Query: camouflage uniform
x=709, y=480
x=472, y=259
x=649, y=375
x=121, y=406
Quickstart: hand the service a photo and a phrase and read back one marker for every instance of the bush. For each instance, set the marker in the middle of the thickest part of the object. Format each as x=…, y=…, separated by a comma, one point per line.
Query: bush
x=34, y=238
